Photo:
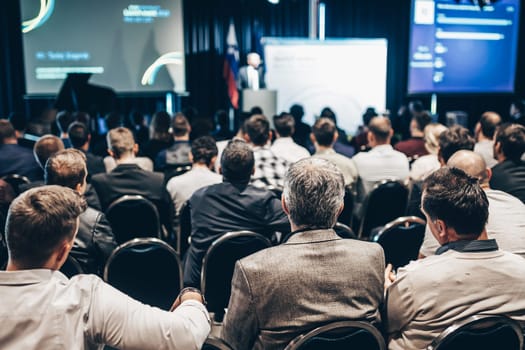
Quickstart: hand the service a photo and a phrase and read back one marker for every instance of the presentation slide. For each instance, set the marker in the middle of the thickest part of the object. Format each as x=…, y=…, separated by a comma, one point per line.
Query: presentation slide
x=346, y=75
x=127, y=46
x=456, y=47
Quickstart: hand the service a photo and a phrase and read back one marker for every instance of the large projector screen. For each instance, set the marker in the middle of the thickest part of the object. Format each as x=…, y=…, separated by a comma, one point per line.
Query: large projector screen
x=128, y=46
x=346, y=75
x=459, y=48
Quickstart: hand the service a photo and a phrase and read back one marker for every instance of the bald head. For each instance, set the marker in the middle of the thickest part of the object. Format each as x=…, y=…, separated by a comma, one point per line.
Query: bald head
x=489, y=121
x=380, y=131
x=471, y=163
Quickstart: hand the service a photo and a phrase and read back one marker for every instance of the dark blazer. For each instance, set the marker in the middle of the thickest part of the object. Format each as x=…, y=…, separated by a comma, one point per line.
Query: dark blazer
x=15, y=159
x=94, y=164
x=314, y=278
x=242, y=78
x=226, y=207
x=131, y=179
x=509, y=176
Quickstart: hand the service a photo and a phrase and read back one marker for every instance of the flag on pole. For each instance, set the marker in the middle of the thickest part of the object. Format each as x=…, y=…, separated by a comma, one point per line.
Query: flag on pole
x=231, y=66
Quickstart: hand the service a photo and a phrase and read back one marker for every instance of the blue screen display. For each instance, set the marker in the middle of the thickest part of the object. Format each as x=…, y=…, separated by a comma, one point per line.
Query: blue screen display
x=456, y=47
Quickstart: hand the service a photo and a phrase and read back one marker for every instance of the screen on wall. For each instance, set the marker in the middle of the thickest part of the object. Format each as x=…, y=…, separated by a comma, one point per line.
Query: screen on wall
x=128, y=46
x=456, y=47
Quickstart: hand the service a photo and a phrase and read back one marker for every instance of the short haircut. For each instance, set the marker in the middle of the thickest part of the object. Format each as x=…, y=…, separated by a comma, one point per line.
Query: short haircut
x=454, y=139
x=45, y=147
x=512, y=140
x=324, y=130
x=489, y=122
x=7, y=131
x=120, y=141
x=297, y=111
x=159, y=128
x=314, y=192
x=63, y=120
x=203, y=149
x=380, y=127
x=258, y=129
x=284, y=124
x=328, y=113
x=432, y=133
x=180, y=125
x=449, y=194
x=78, y=134
x=237, y=161
x=38, y=221
x=66, y=168
x=422, y=120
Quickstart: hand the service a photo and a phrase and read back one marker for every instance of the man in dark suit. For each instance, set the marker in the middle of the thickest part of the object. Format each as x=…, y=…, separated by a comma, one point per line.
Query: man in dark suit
x=251, y=76
x=129, y=178
x=313, y=278
x=80, y=137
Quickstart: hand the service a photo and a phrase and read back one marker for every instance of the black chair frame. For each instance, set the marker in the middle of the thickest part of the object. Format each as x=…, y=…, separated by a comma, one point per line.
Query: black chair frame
x=15, y=180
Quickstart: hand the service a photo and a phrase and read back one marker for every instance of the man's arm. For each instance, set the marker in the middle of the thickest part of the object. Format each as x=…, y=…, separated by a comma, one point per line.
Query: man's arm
x=240, y=326
x=122, y=322
x=399, y=303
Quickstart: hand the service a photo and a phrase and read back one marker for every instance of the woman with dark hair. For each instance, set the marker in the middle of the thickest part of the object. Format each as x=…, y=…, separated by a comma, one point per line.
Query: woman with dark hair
x=159, y=135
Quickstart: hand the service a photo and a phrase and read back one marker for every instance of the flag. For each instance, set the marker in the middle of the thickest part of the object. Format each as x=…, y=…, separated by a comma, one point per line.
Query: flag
x=231, y=66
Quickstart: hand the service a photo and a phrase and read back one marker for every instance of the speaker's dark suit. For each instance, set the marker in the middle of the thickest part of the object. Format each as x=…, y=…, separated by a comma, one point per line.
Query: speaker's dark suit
x=242, y=78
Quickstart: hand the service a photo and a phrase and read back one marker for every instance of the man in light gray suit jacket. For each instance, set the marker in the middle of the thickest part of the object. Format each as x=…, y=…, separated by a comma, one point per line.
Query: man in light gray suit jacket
x=313, y=278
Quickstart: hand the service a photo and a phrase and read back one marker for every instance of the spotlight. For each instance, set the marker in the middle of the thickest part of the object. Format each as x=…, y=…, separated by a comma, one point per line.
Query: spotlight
x=275, y=2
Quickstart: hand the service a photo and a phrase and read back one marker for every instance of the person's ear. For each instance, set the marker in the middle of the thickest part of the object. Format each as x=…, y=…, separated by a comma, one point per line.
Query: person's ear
x=62, y=253
x=111, y=153
x=190, y=157
x=78, y=187
x=441, y=228
x=136, y=149
x=246, y=137
x=489, y=174
x=270, y=136
x=336, y=136
x=440, y=158
x=312, y=138
x=285, y=207
x=212, y=162
x=370, y=138
x=220, y=170
x=253, y=171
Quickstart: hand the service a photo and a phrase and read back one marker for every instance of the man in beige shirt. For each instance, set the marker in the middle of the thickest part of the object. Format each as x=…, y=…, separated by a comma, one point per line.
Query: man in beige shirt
x=40, y=308
x=468, y=276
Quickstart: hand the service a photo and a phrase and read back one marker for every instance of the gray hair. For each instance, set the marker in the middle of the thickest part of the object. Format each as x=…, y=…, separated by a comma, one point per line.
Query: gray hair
x=314, y=192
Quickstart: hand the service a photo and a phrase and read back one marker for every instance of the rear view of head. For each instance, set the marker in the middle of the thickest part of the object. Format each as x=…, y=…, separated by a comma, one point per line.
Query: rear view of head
x=380, y=131
x=66, y=168
x=204, y=150
x=237, y=162
x=313, y=193
x=452, y=140
x=160, y=126
x=78, y=135
x=510, y=142
x=121, y=142
x=64, y=120
x=7, y=132
x=324, y=132
x=39, y=222
x=419, y=122
x=257, y=128
x=45, y=147
x=489, y=122
x=472, y=164
x=457, y=199
x=284, y=125
x=432, y=133
x=180, y=125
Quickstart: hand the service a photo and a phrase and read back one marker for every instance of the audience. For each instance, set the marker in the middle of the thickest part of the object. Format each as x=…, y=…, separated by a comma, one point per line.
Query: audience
x=284, y=145
x=45, y=147
x=485, y=130
x=324, y=135
x=468, y=276
x=269, y=168
x=302, y=132
x=42, y=309
x=178, y=153
x=232, y=205
x=425, y=165
x=94, y=241
x=159, y=135
x=452, y=140
x=509, y=174
x=414, y=147
x=341, y=145
x=313, y=278
x=80, y=137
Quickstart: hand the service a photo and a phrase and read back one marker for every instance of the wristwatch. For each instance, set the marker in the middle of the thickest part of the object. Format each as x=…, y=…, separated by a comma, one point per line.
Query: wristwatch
x=192, y=290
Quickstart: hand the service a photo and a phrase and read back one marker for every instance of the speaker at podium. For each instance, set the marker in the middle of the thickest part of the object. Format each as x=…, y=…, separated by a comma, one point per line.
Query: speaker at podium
x=266, y=99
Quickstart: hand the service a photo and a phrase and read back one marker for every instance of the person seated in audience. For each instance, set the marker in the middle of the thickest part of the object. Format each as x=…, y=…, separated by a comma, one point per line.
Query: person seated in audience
x=506, y=221
x=222, y=126
x=179, y=152
x=139, y=127
x=360, y=139
x=80, y=137
x=284, y=145
x=159, y=135
x=16, y=159
x=94, y=241
x=44, y=148
x=324, y=136
x=382, y=161
x=517, y=111
x=429, y=163
x=203, y=156
x=485, y=129
x=232, y=205
x=452, y=140
x=313, y=278
x=19, y=122
x=43, y=309
x=302, y=132
x=414, y=147
x=63, y=120
x=341, y=145
x=269, y=167
x=129, y=178
x=469, y=275
x=509, y=174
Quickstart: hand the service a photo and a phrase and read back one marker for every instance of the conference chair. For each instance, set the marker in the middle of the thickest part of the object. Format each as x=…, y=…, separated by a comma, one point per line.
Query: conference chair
x=218, y=265
x=184, y=231
x=401, y=239
x=481, y=332
x=347, y=214
x=133, y=216
x=147, y=269
x=16, y=181
x=172, y=170
x=71, y=267
x=213, y=343
x=387, y=201
x=341, y=335
x=344, y=231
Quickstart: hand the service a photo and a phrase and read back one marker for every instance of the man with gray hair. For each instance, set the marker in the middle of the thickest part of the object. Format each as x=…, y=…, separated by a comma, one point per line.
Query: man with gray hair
x=313, y=278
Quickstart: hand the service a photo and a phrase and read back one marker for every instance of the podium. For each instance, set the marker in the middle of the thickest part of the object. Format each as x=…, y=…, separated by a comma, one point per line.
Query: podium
x=266, y=99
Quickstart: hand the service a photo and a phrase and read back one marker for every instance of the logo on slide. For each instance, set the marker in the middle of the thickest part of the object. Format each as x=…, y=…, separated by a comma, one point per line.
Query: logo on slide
x=168, y=58
x=46, y=9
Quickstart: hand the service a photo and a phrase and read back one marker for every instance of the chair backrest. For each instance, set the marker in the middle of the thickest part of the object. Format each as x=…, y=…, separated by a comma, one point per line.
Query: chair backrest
x=133, y=216
x=172, y=170
x=15, y=181
x=387, y=201
x=71, y=267
x=401, y=240
x=146, y=269
x=213, y=343
x=184, y=233
x=219, y=262
x=344, y=231
x=347, y=214
x=481, y=332
x=340, y=336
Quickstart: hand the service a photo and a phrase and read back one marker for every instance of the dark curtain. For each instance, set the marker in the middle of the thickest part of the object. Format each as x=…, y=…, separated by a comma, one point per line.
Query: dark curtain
x=12, y=81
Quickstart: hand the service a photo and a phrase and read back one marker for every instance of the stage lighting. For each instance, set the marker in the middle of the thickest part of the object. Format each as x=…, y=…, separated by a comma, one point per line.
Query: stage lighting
x=275, y=2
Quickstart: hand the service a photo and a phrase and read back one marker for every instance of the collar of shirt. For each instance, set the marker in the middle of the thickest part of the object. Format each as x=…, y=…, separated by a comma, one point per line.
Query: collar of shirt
x=25, y=277
x=325, y=151
x=382, y=148
x=476, y=246
x=258, y=148
x=287, y=140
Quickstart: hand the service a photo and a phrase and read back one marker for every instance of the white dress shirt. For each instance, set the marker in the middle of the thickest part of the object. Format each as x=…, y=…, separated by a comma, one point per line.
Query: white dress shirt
x=286, y=148
x=43, y=309
x=485, y=148
x=253, y=78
